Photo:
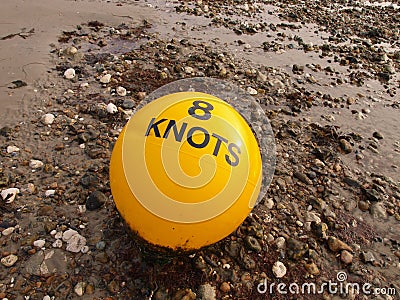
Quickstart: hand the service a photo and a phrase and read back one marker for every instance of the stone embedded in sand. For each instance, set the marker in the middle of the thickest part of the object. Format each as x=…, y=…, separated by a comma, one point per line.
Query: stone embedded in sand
x=252, y=91
x=79, y=288
x=9, y=260
x=48, y=119
x=336, y=245
x=69, y=73
x=70, y=51
x=8, y=195
x=279, y=269
x=106, y=78
x=346, y=257
x=121, y=91
x=49, y=193
x=12, y=149
x=39, y=243
x=36, y=164
x=8, y=231
x=112, y=108
x=68, y=234
x=76, y=243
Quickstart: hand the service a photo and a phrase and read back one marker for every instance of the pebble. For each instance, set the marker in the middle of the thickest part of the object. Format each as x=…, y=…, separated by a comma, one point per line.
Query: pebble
x=252, y=91
x=105, y=78
x=253, y=244
x=9, y=194
x=71, y=51
x=39, y=243
x=127, y=104
x=76, y=243
x=280, y=242
x=378, y=211
x=69, y=73
x=8, y=231
x=312, y=268
x=346, y=146
x=336, y=245
x=112, y=108
x=9, y=260
x=121, y=91
x=346, y=257
x=68, y=234
x=12, y=149
x=57, y=244
x=79, y=288
x=95, y=200
x=367, y=257
x=279, y=269
x=225, y=287
x=377, y=135
x=36, y=164
x=189, y=70
x=48, y=119
x=49, y=193
x=207, y=292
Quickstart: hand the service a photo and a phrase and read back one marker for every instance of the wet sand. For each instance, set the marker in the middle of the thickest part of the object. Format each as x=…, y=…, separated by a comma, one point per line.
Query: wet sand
x=26, y=56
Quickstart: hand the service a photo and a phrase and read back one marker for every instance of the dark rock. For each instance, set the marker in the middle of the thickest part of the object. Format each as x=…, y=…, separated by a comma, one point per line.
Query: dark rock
x=303, y=178
x=89, y=180
x=372, y=195
x=95, y=200
x=295, y=249
x=351, y=182
x=346, y=146
x=128, y=104
x=377, y=135
x=253, y=244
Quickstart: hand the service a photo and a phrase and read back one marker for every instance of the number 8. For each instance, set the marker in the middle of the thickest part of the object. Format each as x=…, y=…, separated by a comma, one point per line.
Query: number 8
x=206, y=108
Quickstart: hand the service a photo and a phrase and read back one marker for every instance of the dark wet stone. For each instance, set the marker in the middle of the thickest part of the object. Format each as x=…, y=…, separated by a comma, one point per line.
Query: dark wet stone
x=372, y=195
x=295, y=249
x=233, y=248
x=89, y=180
x=303, y=178
x=128, y=104
x=346, y=146
x=377, y=135
x=351, y=182
x=5, y=131
x=253, y=244
x=95, y=200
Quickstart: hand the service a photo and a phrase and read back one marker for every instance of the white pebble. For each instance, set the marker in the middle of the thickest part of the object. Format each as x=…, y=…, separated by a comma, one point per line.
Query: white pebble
x=279, y=269
x=69, y=73
x=9, y=194
x=76, y=243
x=68, y=234
x=85, y=249
x=47, y=297
x=84, y=85
x=9, y=260
x=36, y=164
x=112, y=108
x=49, y=193
x=58, y=235
x=8, y=231
x=48, y=119
x=106, y=78
x=121, y=91
x=12, y=149
x=79, y=289
x=252, y=91
x=53, y=232
x=189, y=70
x=57, y=244
x=39, y=243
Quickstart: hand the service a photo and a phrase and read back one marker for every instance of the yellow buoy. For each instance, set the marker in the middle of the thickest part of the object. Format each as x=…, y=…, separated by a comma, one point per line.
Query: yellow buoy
x=185, y=171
